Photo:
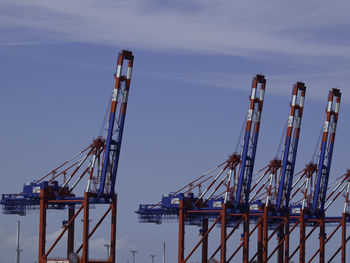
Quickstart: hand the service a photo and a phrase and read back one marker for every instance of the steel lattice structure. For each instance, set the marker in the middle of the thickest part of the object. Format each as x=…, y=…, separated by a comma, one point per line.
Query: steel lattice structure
x=263, y=203
x=94, y=170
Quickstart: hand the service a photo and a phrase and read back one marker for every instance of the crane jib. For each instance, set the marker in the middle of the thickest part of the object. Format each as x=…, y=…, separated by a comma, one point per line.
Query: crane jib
x=116, y=126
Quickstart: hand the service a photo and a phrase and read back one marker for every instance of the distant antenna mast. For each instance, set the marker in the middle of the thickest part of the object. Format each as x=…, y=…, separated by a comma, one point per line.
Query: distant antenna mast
x=18, y=251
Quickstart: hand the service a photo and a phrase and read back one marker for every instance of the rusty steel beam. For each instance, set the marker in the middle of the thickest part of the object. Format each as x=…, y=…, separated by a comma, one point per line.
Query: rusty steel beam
x=228, y=236
x=223, y=234
x=302, y=238
x=343, y=238
x=205, y=240
x=286, y=239
x=181, y=246
x=202, y=239
x=113, y=244
x=266, y=235
x=42, y=225
x=246, y=236
x=260, y=242
x=85, y=255
x=70, y=238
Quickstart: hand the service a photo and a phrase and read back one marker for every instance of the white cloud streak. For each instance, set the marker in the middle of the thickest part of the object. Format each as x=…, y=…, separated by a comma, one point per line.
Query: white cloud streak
x=237, y=28
x=305, y=33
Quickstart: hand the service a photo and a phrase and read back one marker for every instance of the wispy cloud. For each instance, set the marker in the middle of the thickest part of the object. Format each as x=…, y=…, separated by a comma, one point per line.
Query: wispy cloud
x=318, y=83
x=303, y=33
x=238, y=28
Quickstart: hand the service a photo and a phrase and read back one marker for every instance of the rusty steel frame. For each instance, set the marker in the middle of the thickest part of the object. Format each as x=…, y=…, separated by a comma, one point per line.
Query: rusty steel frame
x=269, y=210
x=70, y=227
x=264, y=236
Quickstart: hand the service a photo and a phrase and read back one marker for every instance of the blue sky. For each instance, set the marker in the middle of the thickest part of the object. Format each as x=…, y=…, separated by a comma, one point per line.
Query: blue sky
x=194, y=61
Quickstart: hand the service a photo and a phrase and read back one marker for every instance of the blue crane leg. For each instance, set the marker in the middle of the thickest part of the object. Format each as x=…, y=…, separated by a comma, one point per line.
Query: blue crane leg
x=251, y=167
x=243, y=166
x=319, y=177
x=107, y=151
x=329, y=161
x=290, y=182
x=284, y=166
x=116, y=158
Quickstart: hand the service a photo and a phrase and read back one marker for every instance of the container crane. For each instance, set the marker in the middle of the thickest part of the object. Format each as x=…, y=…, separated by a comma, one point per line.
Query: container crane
x=223, y=202
x=97, y=165
x=116, y=125
x=285, y=168
x=326, y=151
x=250, y=142
x=291, y=146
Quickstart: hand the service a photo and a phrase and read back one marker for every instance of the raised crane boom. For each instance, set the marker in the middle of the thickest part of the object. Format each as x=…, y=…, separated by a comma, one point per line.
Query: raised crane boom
x=291, y=145
x=326, y=151
x=250, y=141
x=116, y=125
x=97, y=164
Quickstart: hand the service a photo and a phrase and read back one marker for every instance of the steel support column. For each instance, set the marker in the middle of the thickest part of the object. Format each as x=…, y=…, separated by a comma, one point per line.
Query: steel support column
x=181, y=232
x=281, y=247
x=246, y=237
x=205, y=241
x=266, y=235
x=85, y=256
x=42, y=225
x=322, y=239
x=302, y=238
x=223, y=234
x=70, y=238
x=112, y=256
x=286, y=238
x=260, y=241
x=343, y=239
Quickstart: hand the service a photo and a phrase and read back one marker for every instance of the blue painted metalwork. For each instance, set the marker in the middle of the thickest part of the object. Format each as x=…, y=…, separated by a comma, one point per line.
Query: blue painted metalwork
x=326, y=154
x=322, y=172
x=250, y=169
x=106, y=161
x=60, y=196
x=116, y=126
x=117, y=154
x=290, y=148
x=250, y=143
x=168, y=210
x=244, y=166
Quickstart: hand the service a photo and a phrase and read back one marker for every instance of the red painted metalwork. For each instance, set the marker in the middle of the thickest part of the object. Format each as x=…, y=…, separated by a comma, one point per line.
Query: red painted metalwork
x=223, y=234
x=86, y=223
x=286, y=238
x=205, y=240
x=70, y=237
x=260, y=242
x=181, y=232
x=86, y=165
x=343, y=239
x=294, y=223
x=113, y=244
x=266, y=234
x=246, y=236
x=302, y=237
x=42, y=224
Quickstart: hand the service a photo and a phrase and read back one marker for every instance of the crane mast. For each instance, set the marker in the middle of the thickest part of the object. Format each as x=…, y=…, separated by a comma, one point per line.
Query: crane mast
x=326, y=151
x=291, y=145
x=250, y=141
x=97, y=165
x=116, y=125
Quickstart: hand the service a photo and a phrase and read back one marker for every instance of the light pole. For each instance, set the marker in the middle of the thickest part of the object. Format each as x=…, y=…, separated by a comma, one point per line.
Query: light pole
x=17, y=242
x=107, y=246
x=152, y=256
x=163, y=248
x=133, y=252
